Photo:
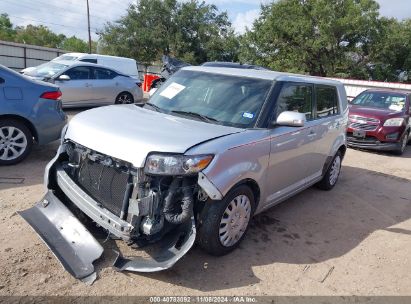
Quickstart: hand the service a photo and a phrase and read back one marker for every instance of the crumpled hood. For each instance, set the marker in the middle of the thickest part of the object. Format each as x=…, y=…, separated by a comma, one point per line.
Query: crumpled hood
x=129, y=133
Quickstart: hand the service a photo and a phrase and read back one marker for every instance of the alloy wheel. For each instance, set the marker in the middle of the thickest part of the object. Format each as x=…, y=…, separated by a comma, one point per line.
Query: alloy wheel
x=235, y=220
x=124, y=99
x=404, y=143
x=13, y=143
x=335, y=170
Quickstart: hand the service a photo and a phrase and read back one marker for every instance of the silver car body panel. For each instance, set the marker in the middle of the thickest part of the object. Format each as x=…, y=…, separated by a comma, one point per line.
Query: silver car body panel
x=92, y=92
x=280, y=161
x=130, y=133
x=71, y=243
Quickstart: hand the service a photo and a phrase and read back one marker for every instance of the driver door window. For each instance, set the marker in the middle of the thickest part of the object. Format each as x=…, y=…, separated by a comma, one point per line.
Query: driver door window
x=296, y=97
x=79, y=73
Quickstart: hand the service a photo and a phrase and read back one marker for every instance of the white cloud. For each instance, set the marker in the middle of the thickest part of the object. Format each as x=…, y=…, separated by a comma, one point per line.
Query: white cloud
x=245, y=20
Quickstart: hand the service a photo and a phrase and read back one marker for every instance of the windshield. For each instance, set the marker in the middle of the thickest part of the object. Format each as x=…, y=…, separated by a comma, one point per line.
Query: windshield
x=48, y=69
x=228, y=100
x=381, y=100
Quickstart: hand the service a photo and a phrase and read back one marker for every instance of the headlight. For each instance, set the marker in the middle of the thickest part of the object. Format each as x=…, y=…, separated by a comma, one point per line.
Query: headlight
x=164, y=164
x=394, y=122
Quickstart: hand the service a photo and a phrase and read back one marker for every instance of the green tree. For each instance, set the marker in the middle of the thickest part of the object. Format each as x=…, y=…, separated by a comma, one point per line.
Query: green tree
x=192, y=31
x=75, y=44
x=7, y=32
x=319, y=37
x=38, y=35
x=391, y=53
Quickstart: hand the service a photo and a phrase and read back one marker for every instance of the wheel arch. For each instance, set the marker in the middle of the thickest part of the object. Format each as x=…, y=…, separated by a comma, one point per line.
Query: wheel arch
x=23, y=120
x=255, y=188
x=122, y=92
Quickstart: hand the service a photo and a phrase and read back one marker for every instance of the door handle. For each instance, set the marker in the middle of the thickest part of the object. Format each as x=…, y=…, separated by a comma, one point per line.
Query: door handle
x=312, y=133
x=88, y=85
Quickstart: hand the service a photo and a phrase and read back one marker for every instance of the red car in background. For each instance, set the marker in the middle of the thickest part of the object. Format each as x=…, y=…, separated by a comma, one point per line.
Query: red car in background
x=380, y=120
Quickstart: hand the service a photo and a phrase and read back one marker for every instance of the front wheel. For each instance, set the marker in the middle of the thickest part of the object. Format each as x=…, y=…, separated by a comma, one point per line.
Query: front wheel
x=124, y=98
x=331, y=176
x=403, y=144
x=223, y=224
x=16, y=141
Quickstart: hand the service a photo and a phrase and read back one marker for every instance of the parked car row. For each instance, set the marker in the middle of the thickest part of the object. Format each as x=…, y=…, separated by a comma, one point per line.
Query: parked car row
x=213, y=146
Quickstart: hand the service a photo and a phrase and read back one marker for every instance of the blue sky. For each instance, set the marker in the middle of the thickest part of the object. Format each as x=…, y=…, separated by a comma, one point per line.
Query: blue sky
x=69, y=16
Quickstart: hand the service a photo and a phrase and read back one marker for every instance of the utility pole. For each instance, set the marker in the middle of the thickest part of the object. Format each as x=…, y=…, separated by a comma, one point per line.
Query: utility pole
x=89, y=34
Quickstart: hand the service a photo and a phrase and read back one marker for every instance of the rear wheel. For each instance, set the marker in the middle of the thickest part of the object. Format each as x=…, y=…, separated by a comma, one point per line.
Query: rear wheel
x=16, y=141
x=124, y=98
x=223, y=224
x=331, y=176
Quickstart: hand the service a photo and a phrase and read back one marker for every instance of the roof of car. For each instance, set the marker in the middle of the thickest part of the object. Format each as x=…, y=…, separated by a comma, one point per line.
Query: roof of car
x=82, y=63
x=263, y=74
x=234, y=65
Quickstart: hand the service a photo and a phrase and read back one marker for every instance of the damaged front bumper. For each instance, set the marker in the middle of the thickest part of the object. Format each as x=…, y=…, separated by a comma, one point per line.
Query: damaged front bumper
x=72, y=244
x=75, y=246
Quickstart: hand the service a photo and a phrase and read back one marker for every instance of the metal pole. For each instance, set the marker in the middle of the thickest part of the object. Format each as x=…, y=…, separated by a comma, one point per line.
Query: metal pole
x=89, y=34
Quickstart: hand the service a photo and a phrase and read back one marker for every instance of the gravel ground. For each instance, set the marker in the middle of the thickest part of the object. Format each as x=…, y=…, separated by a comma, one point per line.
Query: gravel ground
x=354, y=240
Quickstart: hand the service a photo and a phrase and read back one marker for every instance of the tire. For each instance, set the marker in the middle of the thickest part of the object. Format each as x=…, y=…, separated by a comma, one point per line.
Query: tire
x=211, y=235
x=403, y=145
x=333, y=172
x=124, y=98
x=16, y=141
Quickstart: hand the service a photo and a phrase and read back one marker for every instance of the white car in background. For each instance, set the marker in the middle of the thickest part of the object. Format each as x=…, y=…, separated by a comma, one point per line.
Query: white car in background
x=88, y=84
x=127, y=66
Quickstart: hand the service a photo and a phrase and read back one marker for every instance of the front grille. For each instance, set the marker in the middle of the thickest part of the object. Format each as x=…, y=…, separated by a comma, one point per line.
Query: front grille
x=363, y=123
x=106, y=185
x=362, y=126
x=365, y=119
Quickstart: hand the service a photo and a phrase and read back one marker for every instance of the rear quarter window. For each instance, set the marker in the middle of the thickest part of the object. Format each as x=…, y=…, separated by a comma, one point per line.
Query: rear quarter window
x=327, y=101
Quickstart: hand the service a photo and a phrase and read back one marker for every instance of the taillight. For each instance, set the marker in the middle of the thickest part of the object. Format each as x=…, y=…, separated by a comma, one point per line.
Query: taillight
x=54, y=95
x=138, y=84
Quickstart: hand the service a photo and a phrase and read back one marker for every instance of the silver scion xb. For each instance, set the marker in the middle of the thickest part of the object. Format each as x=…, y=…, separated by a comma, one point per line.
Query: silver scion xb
x=212, y=147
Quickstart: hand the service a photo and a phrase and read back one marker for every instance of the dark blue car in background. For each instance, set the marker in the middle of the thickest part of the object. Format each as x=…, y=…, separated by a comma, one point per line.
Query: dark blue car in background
x=30, y=112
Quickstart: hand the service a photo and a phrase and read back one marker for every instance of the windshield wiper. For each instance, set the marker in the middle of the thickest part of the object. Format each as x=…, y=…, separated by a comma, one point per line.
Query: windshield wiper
x=155, y=107
x=202, y=117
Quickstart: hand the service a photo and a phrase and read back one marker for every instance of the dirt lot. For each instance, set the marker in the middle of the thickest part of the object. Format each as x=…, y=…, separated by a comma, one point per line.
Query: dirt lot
x=354, y=240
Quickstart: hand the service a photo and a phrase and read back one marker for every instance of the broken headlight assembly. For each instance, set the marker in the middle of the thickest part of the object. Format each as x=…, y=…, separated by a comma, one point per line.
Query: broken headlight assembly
x=175, y=164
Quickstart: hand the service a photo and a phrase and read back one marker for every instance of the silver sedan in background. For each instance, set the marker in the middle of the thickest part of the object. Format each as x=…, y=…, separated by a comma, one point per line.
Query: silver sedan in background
x=89, y=84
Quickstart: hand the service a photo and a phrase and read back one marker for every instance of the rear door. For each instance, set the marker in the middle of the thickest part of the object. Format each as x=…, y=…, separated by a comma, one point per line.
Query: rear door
x=326, y=126
x=291, y=147
x=78, y=90
x=105, y=85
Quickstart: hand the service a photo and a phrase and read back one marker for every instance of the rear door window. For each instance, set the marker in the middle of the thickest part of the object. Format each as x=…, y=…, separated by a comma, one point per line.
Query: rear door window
x=297, y=98
x=100, y=73
x=327, y=101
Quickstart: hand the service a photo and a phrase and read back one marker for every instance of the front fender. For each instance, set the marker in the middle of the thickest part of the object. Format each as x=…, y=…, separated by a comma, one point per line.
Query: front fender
x=238, y=163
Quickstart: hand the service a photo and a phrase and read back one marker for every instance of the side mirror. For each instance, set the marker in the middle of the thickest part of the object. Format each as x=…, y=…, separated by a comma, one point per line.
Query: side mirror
x=63, y=77
x=290, y=119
